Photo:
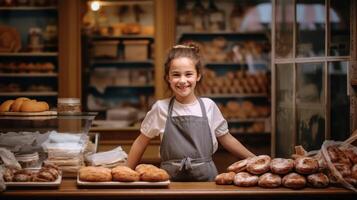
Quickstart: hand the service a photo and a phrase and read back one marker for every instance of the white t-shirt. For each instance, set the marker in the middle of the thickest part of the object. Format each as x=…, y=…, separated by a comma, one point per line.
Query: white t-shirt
x=155, y=120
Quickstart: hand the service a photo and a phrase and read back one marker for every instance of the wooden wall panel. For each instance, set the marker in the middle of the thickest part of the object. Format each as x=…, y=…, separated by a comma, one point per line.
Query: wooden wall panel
x=69, y=49
x=164, y=39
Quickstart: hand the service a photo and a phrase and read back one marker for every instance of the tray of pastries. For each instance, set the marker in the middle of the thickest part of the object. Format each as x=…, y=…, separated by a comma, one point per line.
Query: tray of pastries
x=23, y=106
x=47, y=176
x=143, y=175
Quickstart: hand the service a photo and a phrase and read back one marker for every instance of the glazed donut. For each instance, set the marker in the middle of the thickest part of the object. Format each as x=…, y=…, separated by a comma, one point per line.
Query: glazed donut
x=318, y=180
x=34, y=106
x=337, y=155
x=306, y=165
x=5, y=106
x=125, y=174
x=244, y=179
x=16, y=105
x=238, y=166
x=281, y=165
x=259, y=164
x=294, y=181
x=269, y=180
x=225, y=178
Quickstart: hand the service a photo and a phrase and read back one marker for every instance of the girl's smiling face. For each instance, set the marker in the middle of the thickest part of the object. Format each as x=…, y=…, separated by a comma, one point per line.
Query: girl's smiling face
x=182, y=78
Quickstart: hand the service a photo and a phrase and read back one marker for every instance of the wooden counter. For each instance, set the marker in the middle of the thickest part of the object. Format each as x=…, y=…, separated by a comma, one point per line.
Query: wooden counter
x=176, y=190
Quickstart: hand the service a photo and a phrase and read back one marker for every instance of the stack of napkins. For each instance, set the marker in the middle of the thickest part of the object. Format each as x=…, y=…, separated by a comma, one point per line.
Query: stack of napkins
x=109, y=159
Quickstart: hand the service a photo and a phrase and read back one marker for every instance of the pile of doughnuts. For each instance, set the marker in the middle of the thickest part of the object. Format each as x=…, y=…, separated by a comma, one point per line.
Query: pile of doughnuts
x=48, y=173
x=23, y=104
x=271, y=173
x=143, y=172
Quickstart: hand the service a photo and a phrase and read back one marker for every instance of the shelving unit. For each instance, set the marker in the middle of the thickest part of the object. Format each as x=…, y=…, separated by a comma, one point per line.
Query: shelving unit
x=31, y=73
x=116, y=77
x=236, y=62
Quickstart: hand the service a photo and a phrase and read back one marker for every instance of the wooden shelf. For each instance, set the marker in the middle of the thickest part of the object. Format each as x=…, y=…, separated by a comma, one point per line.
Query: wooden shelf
x=120, y=62
x=248, y=95
x=29, y=8
x=30, y=54
x=123, y=37
x=28, y=74
x=25, y=94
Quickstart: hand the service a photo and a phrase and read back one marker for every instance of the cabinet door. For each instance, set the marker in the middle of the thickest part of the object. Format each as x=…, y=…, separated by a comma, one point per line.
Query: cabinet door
x=310, y=61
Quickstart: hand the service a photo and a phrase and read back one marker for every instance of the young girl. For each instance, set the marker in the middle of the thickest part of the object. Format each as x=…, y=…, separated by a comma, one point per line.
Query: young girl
x=189, y=126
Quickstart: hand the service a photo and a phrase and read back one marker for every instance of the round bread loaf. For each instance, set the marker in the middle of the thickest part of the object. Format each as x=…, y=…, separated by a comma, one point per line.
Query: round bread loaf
x=15, y=107
x=225, y=178
x=125, y=174
x=95, y=174
x=281, y=165
x=318, y=180
x=34, y=106
x=269, y=180
x=244, y=179
x=5, y=106
x=151, y=173
x=259, y=164
x=294, y=181
x=306, y=165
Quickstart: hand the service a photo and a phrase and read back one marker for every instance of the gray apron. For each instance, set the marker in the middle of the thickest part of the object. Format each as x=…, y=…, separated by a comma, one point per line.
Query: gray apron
x=186, y=147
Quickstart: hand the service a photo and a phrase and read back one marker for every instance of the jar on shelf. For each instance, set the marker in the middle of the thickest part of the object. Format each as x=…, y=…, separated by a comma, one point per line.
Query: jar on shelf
x=35, y=40
x=68, y=105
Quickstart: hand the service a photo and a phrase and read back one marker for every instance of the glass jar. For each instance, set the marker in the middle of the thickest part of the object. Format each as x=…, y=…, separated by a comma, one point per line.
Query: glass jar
x=68, y=105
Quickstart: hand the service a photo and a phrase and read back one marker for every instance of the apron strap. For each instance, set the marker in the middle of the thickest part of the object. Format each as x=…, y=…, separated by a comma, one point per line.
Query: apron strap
x=186, y=163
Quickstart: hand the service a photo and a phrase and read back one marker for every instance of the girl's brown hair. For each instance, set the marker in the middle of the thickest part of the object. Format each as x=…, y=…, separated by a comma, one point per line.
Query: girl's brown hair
x=188, y=50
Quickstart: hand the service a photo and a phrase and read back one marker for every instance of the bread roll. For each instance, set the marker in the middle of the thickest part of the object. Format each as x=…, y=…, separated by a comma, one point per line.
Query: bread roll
x=34, y=106
x=151, y=173
x=259, y=164
x=281, y=165
x=5, y=106
x=269, y=180
x=294, y=181
x=125, y=174
x=225, y=178
x=95, y=174
x=15, y=107
x=244, y=179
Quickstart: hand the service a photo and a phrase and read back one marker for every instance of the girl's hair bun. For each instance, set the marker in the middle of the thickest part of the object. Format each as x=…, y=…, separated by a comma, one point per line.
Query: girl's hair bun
x=189, y=45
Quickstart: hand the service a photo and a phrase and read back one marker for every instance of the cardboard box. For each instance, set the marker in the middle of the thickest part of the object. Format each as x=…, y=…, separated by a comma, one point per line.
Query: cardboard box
x=135, y=50
x=106, y=49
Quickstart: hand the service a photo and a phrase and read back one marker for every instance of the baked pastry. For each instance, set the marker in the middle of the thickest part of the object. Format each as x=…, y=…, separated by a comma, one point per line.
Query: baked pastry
x=244, y=179
x=337, y=155
x=269, y=180
x=34, y=106
x=95, y=174
x=259, y=164
x=318, y=180
x=306, y=165
x=225, y=178
x=344, y=169
x=354, y=171
x=238, y=166
x=5, y=106
x=151, y=173
x=15, y=107
x=351, y=153
x=294, y=181
x=281, y=165
x=125, y=174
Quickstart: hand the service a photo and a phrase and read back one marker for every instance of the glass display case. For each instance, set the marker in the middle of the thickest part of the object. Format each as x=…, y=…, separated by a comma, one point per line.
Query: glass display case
x=37, y=138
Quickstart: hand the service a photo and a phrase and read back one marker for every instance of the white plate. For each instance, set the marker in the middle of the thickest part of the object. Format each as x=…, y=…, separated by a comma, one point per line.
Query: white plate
x=126, y=184
x=55, y=183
